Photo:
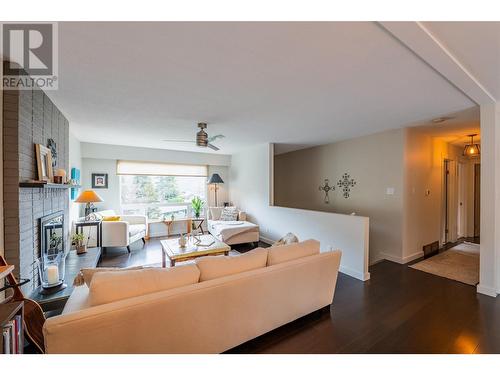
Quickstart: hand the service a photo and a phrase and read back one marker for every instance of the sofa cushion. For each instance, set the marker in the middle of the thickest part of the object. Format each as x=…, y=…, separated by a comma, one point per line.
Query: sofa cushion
x=219, y=266
x=107, y=287
x=135, y=229
x=215, y=213
x=229, y=214
x=285, y=253
x=85, y=275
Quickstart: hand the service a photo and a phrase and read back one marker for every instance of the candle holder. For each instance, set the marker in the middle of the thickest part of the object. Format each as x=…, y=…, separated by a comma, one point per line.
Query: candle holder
x=51, y=268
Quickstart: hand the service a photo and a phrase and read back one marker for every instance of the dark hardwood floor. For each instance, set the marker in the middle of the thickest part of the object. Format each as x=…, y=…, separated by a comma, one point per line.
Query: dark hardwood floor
x=400, y=310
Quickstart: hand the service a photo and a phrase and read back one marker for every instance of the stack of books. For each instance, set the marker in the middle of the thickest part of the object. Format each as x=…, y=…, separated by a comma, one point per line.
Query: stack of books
x=11, y=333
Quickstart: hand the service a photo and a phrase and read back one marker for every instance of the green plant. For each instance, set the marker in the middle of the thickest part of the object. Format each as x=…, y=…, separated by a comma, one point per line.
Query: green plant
x=78, y=238
x=197, y=205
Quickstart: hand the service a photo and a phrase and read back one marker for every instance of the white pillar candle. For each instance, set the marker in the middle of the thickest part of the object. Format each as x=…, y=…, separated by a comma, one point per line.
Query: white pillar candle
x=52, y=274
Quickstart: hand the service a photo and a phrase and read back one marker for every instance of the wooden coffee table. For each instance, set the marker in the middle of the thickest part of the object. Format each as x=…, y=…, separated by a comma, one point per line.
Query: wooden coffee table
x=209, y=246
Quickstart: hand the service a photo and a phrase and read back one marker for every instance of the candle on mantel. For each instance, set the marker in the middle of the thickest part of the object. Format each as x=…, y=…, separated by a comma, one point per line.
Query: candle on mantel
x=52, y=274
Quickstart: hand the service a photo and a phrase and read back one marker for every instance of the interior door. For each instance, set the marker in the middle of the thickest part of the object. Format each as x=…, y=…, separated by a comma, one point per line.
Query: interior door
x=450, y=199
x=461, y=219
x=477, y=199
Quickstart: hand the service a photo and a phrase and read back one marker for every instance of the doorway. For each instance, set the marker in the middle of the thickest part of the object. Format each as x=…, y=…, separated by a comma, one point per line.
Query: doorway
x=450, y=200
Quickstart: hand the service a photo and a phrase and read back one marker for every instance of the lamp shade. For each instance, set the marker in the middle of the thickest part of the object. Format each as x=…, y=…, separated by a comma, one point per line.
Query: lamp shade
x=88, y=196
x=472, y=149
x=215, y=179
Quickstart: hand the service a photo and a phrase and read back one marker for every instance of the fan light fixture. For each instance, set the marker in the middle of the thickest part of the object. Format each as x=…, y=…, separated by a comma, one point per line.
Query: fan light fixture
x=472, y=150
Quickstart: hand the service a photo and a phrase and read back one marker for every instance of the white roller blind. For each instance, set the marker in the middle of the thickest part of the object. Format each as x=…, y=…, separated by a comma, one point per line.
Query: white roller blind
x=124, y=167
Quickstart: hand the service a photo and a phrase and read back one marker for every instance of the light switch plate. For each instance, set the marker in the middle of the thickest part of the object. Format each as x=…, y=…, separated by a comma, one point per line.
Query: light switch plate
x=389, y=191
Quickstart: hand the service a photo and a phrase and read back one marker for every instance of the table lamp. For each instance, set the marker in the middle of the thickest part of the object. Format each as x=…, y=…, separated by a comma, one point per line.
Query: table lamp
x=89, y=197
x=215, y=179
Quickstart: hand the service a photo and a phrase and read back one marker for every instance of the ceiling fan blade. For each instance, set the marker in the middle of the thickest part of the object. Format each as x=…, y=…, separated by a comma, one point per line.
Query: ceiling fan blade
x=177, y=140
x=215, y=148
x=215, y=137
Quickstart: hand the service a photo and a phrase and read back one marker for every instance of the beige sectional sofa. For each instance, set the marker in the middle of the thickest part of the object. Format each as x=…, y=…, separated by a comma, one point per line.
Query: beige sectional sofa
x=209, y=306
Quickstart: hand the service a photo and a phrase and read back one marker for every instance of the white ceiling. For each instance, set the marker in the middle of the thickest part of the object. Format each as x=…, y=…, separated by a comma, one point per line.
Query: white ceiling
x=476, y=45
x=457, y=128
x=308, y=83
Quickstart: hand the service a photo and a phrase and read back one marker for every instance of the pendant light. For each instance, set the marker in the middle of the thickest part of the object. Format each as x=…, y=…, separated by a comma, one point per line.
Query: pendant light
x=472, y=150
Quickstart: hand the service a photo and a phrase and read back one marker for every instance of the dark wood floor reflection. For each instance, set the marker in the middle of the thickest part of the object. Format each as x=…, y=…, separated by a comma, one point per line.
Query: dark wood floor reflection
x=400, y=310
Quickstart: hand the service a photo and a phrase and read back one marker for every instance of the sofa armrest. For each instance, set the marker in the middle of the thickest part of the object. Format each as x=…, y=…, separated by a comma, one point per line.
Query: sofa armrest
x=115, y=233
x=134, y=219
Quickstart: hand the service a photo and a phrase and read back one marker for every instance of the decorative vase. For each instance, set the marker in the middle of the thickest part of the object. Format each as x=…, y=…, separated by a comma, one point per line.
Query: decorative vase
x=51, y=269
x=182, y=240
x=81, y=249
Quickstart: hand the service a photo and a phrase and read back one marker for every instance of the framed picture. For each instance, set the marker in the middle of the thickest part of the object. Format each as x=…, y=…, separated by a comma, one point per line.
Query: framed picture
x=44, y=163
x=99, y=180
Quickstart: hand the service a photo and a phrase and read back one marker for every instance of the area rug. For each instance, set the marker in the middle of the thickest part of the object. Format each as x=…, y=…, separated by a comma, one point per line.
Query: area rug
x=460, y=263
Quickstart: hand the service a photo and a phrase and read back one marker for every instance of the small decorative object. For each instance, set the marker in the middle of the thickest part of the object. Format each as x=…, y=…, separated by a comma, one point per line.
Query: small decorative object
x=197, y=205
x=51, y=268
x=44, y=163
x=78, y=239
x=182, y=240
x=75, y=181
x=346, y=183
x=61, y=173
x=327, y=188
x=89, y=197
x=51, y=145
x=215, y=180
x=99, y=180
x=58, y=180
x=472, y=150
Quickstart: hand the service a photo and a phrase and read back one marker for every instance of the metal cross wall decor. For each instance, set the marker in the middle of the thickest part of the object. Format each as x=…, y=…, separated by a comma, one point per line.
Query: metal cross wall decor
x=327, y=188
x=346, y=183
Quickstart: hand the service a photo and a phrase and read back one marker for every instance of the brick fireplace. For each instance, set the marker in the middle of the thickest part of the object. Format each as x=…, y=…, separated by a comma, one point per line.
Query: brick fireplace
x=30, y=117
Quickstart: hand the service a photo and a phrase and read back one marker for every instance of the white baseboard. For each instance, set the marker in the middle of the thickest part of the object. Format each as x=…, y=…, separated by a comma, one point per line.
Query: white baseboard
x=486, y=290
x=403, y=260
x=356, y=274
x=266, y=240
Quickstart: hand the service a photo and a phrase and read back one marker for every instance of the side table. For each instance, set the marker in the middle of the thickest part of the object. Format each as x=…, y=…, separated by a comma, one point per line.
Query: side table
x=79, y=225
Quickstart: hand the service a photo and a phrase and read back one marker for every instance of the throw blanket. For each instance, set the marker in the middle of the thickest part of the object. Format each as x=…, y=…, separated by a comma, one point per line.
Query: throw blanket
x=227, y=229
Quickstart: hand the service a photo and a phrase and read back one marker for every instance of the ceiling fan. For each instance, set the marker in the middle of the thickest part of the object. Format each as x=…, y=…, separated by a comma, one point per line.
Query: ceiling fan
x=202, y=138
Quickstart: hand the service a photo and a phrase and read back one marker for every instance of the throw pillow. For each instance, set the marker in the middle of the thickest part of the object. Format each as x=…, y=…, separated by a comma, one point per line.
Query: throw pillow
x=111, y=218
x=229, y=214
x=219, y=266
x=286, y=253
x=85, y=275
x=215, y=213
x=107, y=287
x=286, y=240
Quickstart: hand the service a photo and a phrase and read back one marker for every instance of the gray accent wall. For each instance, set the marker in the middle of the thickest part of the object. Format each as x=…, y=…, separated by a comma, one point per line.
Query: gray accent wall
x=375, y=162
x=30, y=117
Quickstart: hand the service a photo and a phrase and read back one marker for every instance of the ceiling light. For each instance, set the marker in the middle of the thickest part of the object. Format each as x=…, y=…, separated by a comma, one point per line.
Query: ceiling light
x=439, y=120
x=472, y=150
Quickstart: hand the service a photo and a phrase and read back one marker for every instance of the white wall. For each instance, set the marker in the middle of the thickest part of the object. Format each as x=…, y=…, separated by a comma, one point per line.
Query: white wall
x=424, y=191
x=75, y=161
x=489, y=278
x=250, y=187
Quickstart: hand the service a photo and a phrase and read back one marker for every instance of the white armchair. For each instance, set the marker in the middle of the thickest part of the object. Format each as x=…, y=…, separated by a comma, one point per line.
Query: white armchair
x=129, y=229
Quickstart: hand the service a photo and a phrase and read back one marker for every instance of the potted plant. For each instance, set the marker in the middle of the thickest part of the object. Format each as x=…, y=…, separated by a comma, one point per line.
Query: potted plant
x=197, y=205
x=78, y=239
